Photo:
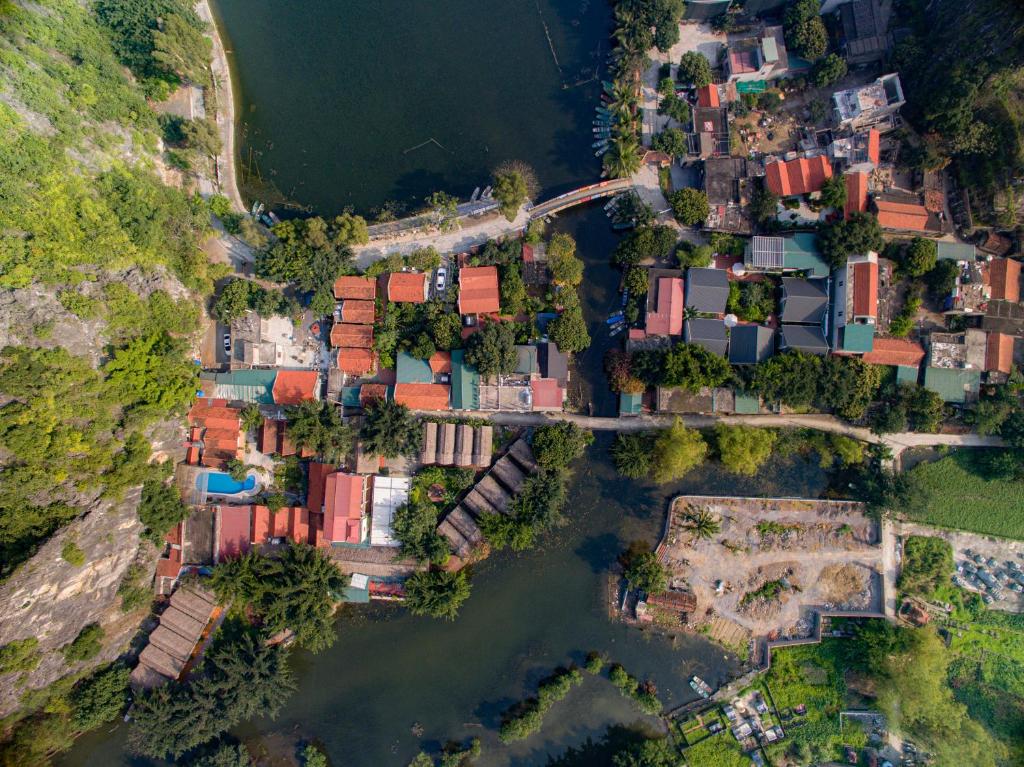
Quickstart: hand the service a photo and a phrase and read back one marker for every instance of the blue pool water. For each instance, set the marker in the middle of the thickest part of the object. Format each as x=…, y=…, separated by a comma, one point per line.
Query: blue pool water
x=219, y=483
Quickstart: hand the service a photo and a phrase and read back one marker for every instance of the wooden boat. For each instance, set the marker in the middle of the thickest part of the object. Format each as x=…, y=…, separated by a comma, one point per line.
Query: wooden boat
x=700, y=687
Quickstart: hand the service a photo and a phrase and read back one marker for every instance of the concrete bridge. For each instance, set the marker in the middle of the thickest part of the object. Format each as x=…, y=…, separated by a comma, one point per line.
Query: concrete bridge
x=579, y=196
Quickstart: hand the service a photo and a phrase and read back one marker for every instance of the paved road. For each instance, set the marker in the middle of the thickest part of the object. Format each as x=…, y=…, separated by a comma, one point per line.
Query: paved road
x=897, y=442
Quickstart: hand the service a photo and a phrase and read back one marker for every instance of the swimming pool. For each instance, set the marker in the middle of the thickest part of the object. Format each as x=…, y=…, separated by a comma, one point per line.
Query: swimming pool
x=219, y=483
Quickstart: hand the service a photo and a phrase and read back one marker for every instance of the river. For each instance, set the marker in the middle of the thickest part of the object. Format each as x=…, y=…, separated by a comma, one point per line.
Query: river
x=478, y=77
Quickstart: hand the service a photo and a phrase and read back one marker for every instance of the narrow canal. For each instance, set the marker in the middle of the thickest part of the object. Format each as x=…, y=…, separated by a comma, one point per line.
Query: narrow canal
x=389, y=672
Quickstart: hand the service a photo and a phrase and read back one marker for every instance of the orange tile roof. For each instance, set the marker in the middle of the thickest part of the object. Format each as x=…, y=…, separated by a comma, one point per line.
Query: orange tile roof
x=800, y=176
x=901, y=215
x=169, y=566
x=440, y=362
x=999, y=352
x=865, y=289
x=260, y=531
x=1004, y=274
x=422, y=396
x=407, y=287
x=234, y=534
x=298, y=524
x=294, y=386
x=343, y=507
x=268, y=435
x=708, y=96
x=360, y=312
x=355, y=361
x=372, y=393
x=667, y=320
x=478, y=290
x=895, y=351
x=856, y=194
x=358, y=336
x=318, y=473
x=874, y=146
x=360, y=288
x=547, y=394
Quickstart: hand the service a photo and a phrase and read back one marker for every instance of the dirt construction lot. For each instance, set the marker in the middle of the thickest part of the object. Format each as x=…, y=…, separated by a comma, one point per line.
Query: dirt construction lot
x=764, y=563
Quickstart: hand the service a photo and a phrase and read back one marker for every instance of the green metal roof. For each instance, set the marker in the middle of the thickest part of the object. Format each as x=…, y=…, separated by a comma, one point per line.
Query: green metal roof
x=356, y=595
x=955, y=251
x=350, y=396
x=526, y=359
x=907, y=374
x=630, y=404
x=858, y=337
x=413, y=370
x=465, y=391
x=952, y=384
x=800, y=251
x=254, y=386
x=747, y=404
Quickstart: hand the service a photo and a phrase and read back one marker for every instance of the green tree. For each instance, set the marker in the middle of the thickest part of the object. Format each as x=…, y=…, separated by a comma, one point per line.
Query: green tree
x=632, y=454
x=848, y=386
x=764, y=205
x=390, y=429
x=689, y=206
x=86, y=645
x=655, y=242
x=941, y=280
x=223, y=754
x=558, y=445
x=694, y=69
x=622, y=159
x=856, y=235
x=492, y=349
x=701, y=523
x=671, y=141
x=566, y=268
x=691, y=367
x=833, y=192
x=444, y=210
x=437, y=593
x=307, y=252
x=828, y=70
x=645, y=572
x=649, y=753
x=677, y=450
x=350, y=229
x=19, y=655
x=919, y=257
x=160, y=509
x=203, y=138
x=927, y=565
x=512, y=188
x=152, y=375
x=181, y=48
x=676, y=108
x=415, y=528
x=445, y=326
x=314, y=757
x=317, y=426
x=790, y=378
x=99, y=698
x=569, y=330
x=805, y=31
x=512, y=288
x=295, y=590
x=744, y=449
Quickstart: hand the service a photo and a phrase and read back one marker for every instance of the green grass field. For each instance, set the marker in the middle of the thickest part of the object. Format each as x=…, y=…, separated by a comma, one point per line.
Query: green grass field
x=957, y=496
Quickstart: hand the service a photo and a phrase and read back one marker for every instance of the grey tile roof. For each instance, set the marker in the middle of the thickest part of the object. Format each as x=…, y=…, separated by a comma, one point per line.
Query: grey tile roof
x=707, y=290
x=707, y=333
x=804, y=338
x=750, y=344
x=803, y=301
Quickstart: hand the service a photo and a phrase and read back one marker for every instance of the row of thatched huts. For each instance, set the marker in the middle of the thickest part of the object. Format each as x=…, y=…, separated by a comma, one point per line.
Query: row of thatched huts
x=172, y=642
x=450, y=444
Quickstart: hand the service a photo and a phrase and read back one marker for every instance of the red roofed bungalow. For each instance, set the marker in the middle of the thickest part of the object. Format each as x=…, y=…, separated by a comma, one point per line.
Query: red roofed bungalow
x=708, y=96
x=999, y=352
x=874, y=146
x=901, y=215
x=895, y=351
x=169, y=566
x=422, y=396
x=294, y=386
x=478, y=290
x=215, y=433
x=801, y=176
x=547, y=394
x=856, y=194
x=233, y=531
x=345, y=508
x=1004, y=274
x=865, y=290
x=440, y=362
x=318, y=473
x=358, y=312
x=407, y=287
x=353, y=336
x=355, y=362
x=372, y=393
x=667, y=320
x=299, y=524
x=359, y=288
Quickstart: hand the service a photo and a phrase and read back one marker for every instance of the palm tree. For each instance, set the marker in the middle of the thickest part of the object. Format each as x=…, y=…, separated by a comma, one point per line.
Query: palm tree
x=702, y=524
x=632, y=455
x=623, y=157
x=391, y=430
x=318, y=426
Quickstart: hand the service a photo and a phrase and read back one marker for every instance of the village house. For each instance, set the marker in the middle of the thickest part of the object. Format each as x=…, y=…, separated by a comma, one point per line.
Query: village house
x=804, y=315
x=750, y=344
x=727, y=183
x=803, y=175
x=710, y=134
x=855, y=305
x=781, y=255
x=478, y=290
x=665, y=303
x=761, y=58
x=864, y=32
x=271, y=342
x=406, y=287
x=707, y=290
x=874, y=105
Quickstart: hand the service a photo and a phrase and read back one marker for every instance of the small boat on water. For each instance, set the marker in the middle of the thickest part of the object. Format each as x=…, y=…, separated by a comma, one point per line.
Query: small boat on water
x=625, y=297
x=600, y=151
x=616, y=329
x=700, y=687
x=602, y=142
x=486, y=194
x=475, y=195
x=617, y=317
x=623, y=225
x=608, y=87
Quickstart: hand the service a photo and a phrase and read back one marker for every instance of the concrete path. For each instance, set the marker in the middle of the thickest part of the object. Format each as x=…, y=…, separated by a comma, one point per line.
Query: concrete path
x=890, y=570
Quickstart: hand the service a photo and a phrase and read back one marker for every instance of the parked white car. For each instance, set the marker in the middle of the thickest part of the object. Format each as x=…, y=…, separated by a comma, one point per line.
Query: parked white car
x=442, y=277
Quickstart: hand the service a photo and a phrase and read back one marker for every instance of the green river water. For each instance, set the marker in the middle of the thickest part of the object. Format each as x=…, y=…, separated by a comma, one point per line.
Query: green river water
x=331, y=93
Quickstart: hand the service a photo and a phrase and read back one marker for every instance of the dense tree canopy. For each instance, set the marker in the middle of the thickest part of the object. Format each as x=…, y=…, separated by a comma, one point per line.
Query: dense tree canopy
x=415, y=528
x=689, y=206
x=743, y=449
x=856, y=235
x=311, y=253
x=694, y=69
x=492, y=349
x=160, y=509
x=437, y=593
x=656, y=242
x=557, y=445
x=316, y=425
x=644, y=571
x=677, y=450
x=390, y=429
x=805, y=31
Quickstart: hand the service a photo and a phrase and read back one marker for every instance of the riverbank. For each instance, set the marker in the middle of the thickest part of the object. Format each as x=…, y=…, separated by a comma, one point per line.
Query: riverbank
x=225, y=167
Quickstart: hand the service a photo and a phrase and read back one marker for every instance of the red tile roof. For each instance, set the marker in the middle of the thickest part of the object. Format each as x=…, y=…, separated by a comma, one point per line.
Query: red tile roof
x=874, y=146
x=360, y=312
x=354, y=336
x=478, y=290
x=317, y=482
x=865, y=289
x=344, y=508
x=298, y=524
x=801, y=176
x=422, y=396
x=355, y=361
x=895, y=351
x=667, y=320
x=360, y=288
x=547, y=394
x=856, y=194
x=708, y=96
x=268, y=435
x=440, y=362
x=999, y=352
x=901, y=215
x=742, y=61
x=407, y=287
x=1004, y=273
x=169, y=566
x=233, y=531
x=294, y=386
x=372, y=393
x=218, y=428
